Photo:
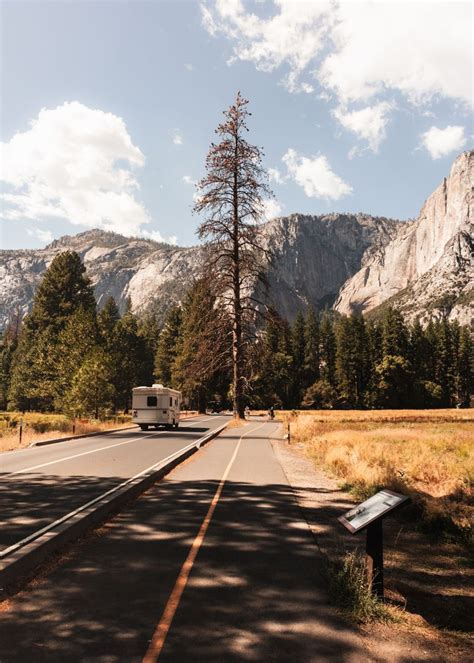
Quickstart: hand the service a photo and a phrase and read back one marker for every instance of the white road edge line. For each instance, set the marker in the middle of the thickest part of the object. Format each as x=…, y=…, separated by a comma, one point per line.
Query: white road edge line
x=4, y=454
x=84, y=453
x=55, y=523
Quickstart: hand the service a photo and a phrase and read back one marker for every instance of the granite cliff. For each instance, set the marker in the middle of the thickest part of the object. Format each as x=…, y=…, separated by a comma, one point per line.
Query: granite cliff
x=427, y=269
x=346, y=261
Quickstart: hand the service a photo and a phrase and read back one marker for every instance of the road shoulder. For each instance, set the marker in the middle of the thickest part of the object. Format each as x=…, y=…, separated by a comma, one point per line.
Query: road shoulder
x=321, y=501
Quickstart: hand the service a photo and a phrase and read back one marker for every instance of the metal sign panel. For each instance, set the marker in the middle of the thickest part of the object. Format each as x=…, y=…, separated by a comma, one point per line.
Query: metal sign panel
x=372, y=509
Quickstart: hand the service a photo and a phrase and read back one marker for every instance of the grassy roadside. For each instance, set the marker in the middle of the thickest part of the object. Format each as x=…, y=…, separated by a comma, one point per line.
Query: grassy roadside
x=428, y=455
x=38, y=426
x=429, y=573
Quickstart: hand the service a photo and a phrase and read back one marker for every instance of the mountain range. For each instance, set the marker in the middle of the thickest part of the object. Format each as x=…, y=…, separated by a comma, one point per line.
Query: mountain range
x=349, y=262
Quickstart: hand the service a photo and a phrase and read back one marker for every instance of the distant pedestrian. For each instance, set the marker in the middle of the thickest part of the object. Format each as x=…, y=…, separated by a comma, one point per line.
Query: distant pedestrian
x=247, y=412
x=271, y=413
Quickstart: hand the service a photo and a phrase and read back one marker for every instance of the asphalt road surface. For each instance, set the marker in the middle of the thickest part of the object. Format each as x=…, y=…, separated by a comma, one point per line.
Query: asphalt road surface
x=40, y=484
x=213, y=564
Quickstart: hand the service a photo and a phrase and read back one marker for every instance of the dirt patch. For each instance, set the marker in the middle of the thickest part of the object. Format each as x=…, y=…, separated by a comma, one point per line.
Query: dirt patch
x=431, y=582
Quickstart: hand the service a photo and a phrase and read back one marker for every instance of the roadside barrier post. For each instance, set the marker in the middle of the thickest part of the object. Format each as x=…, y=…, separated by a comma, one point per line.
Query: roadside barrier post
x=21, y=429
x=289, y=434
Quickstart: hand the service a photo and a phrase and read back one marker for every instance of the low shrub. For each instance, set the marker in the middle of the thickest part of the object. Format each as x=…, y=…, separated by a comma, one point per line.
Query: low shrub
x=350, y=591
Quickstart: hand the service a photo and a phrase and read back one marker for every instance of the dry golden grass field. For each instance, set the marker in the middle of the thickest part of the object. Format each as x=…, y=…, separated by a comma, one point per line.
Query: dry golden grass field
x=39, y=426
x=426, y=454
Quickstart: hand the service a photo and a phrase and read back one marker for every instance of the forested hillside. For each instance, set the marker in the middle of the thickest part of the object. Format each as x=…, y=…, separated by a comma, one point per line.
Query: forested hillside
x=64, y=356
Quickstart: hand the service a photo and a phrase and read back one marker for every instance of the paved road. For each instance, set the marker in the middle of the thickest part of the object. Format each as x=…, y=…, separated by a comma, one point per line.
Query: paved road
x=41, y=484
x=214, y=564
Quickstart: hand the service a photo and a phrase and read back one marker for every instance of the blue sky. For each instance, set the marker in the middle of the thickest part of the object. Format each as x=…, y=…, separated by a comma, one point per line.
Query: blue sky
x=108, y=108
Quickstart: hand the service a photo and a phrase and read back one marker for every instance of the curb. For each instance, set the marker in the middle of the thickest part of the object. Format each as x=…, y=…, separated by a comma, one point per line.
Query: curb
x=43, y=443
x=18, y=561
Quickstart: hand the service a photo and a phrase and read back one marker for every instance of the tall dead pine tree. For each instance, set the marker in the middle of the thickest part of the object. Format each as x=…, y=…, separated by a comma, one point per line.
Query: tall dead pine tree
x=231, y=196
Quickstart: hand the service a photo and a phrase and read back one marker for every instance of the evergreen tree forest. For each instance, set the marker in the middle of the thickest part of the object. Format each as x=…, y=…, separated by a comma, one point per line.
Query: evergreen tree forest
x=65, y=356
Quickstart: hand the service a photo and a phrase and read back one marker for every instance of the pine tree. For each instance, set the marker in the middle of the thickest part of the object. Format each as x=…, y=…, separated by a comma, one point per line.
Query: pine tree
x=63, y=290
x=328, y=350
x=203, y=354
x=231, y=194
x=394, y=334
x=8, y=345
x=131, y=360
x=107, y=320
x=311, y=353
x=465, y=368
x=78, y=339
x=298, y=344
x=445, y=363
x=91, y=392
x=352, y=360
x=168, y=346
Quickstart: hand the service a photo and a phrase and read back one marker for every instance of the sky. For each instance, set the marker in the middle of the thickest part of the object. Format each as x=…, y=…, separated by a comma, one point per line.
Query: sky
x=108, y=108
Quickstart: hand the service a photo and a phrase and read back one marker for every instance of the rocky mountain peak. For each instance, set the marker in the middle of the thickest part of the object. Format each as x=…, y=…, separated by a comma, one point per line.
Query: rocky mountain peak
x=425, y=259
x=352, y=262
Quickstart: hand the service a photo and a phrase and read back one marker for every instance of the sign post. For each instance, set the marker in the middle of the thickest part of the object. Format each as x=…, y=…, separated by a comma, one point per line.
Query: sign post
x=369, y=516
x=374, y=557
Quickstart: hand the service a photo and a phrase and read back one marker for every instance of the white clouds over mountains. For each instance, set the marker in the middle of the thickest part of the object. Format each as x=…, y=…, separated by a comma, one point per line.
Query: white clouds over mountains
x=369, y=123
x=441, y=142
x=315, y=176
x=359, y=53
x=356, y=49
x=75, y=163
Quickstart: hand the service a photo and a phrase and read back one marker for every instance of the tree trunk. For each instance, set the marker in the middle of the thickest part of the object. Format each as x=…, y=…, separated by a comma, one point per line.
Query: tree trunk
x=201, y=401
x=237, y=306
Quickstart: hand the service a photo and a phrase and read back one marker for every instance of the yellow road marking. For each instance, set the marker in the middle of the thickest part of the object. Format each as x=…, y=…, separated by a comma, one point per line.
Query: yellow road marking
x=161, y=631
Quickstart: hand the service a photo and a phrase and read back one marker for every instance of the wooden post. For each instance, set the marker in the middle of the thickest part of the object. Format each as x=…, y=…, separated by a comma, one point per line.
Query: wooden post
x=21, y=430
x=289, y=434
x=374, y=557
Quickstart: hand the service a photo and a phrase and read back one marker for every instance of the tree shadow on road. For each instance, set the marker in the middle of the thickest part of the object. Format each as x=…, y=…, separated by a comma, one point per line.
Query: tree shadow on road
x=255, y=593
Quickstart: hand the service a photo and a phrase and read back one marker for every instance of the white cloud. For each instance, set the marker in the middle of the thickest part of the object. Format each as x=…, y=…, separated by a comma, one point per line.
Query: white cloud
x=440, y=142
x=189, y=180
x=355, y=49
x=315, y=175
x=75, y=163
x=368, y=123
x=45, y=236
x=272, y=208
x=421, y=49
x=274, y=175
x=294, y=35
x=177, y=137
x=156, y=236
x=189, y=67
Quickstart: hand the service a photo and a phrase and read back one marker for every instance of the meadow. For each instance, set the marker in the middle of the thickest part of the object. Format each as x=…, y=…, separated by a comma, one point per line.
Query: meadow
x=426, y=454
x=39, y=426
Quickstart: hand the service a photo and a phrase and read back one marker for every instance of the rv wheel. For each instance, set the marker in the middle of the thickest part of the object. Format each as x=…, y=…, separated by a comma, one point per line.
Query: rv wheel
x=144, y=426
x=176, y=424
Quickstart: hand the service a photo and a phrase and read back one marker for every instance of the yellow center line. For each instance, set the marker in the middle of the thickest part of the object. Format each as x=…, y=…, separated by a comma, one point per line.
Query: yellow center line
x=161, y=631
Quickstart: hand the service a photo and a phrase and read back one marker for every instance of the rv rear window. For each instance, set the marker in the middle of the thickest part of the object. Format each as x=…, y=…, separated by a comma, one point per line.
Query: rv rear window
x=151, y=401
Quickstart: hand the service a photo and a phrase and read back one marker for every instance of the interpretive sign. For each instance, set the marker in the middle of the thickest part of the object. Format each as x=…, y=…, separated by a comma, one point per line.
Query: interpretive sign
x=369, y=515
x=375, y=507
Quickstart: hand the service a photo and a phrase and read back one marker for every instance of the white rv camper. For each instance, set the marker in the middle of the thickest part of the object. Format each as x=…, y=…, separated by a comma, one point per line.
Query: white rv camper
x=156, y=406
